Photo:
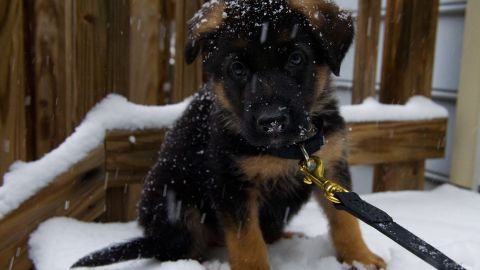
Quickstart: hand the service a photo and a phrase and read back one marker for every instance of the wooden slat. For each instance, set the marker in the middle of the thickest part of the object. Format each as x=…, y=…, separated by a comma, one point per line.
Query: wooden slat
x=118, y=47
x=368, y=143
x=408, y=172
x=366, y=49
x=13, y=133
x=129, y=156
x=408, y=53
x=409, y=49
x=122, y=203
x=49, y=74
x=128, y=161
x=145, y=56
x=375, y=143
x=77, y=193
x=90, y=53
x=167, y=33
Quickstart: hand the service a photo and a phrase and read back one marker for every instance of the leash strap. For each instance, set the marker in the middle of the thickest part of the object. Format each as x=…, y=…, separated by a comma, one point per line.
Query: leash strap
x=313, y=169
x=381, y=221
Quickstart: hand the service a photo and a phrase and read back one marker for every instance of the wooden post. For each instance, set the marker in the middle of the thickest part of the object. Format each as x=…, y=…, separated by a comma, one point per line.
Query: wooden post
x=13, y=101
x=409, y=48
x=187, y=78
x=366, y=49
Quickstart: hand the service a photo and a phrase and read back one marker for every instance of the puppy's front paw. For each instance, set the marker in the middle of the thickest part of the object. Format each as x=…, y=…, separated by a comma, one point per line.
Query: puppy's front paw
x=368, y=260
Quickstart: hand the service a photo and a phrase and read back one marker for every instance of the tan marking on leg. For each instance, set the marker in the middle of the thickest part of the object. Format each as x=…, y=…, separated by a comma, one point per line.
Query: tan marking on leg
x=347, y=237
x=245, y=244
x=344, y=228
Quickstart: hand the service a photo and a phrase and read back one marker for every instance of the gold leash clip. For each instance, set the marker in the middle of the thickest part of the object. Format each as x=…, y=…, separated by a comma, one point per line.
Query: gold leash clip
x=313, y=168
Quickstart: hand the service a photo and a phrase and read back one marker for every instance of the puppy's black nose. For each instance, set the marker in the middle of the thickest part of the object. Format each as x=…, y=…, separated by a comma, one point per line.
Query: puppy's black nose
x=271, y=123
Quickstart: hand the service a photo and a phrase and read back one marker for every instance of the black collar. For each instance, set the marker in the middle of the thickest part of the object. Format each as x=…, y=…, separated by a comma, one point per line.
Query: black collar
x=312, y=145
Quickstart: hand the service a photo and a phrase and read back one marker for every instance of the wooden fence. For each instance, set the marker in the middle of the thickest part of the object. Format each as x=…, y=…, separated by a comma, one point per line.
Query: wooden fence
x=59, y=57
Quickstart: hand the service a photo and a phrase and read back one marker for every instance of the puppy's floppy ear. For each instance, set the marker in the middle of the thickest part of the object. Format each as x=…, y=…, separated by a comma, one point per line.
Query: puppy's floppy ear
x=332, y=27
x=206, y=21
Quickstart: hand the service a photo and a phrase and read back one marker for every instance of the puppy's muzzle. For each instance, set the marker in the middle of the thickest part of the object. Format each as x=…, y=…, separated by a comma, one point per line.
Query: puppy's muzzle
x=273, y=123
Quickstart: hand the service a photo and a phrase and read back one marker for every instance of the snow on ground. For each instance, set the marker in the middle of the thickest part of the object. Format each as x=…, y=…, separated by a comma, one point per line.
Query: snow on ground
x=115, y=112
x=447, y=217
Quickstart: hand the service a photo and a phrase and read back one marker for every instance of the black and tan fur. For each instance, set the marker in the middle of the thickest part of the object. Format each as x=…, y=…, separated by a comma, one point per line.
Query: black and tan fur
x=268, y=65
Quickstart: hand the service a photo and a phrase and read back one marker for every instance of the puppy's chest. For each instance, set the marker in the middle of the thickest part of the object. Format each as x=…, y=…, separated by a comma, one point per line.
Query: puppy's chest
x=267, y=168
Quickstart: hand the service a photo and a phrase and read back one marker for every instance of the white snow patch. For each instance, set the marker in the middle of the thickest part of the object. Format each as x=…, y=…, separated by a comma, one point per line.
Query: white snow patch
x=417, y=108
x=447, y=217
x=114, y=112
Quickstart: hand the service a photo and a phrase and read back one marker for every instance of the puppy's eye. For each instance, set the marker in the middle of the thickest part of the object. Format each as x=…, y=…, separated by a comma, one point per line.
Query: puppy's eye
x=296, y=58
x=238, y=69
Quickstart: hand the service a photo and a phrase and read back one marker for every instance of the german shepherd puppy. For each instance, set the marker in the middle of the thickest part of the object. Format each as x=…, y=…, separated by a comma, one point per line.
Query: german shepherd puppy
x=221, y=178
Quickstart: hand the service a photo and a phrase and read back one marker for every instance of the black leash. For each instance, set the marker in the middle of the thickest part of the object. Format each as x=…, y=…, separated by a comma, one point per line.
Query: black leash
x=378, y=219
x=343, y=199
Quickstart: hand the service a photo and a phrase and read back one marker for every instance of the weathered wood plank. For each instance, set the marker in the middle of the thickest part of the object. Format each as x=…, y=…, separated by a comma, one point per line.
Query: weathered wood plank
x=13, y=132
x=409, y=49
x=369, y=143
x=366, y=49
x=90, y=50
x=49, y=74
x=375, y=143
x=409, y=173
x=167, y=34
x=118, y=47
x=77, y=193
x=145, y=56
x=122, y=202
x=129, y=155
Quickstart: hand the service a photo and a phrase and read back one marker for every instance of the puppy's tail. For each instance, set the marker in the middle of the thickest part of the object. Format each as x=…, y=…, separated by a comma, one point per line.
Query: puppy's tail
x=136, y=249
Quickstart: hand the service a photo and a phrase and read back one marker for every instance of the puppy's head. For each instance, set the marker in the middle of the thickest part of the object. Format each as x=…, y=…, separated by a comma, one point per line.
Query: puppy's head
x=269, y=62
